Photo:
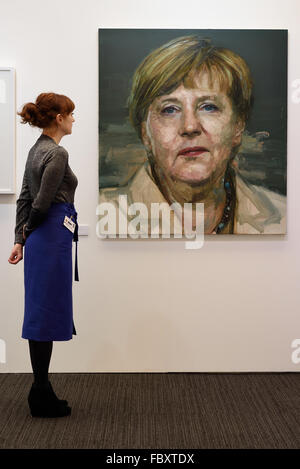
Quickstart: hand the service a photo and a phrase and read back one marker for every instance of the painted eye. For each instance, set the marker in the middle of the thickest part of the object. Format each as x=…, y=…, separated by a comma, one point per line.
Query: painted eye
x=209, y=107
x=169, y=110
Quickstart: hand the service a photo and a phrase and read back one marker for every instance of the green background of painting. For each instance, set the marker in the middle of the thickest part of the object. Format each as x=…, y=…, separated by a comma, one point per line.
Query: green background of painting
x=121, y=51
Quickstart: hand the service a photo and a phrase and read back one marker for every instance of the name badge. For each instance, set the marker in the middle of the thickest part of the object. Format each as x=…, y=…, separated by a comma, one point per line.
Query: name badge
x=68, y=223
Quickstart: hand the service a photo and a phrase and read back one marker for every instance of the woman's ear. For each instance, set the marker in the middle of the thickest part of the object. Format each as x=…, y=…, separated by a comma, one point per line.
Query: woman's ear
x=59, y=118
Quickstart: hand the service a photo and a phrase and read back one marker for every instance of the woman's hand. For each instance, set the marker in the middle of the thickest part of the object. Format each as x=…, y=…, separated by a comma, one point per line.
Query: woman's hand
x=16, y=254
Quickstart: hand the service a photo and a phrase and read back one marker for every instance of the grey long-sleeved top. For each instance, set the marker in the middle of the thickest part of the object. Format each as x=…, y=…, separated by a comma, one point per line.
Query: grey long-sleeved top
x=47, y=179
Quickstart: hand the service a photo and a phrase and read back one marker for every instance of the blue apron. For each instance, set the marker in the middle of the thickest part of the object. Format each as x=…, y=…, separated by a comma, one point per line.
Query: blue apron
x=48, y=314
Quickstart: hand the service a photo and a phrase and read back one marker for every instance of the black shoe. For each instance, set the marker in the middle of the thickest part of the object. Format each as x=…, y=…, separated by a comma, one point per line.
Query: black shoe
x=44, y=403
x=54, y=395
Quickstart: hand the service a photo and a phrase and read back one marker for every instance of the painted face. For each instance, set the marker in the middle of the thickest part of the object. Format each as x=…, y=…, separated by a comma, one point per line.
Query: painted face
x=191, y=132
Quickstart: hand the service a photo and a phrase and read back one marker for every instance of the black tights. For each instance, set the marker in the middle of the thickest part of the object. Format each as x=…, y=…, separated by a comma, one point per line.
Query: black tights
x=40, y=355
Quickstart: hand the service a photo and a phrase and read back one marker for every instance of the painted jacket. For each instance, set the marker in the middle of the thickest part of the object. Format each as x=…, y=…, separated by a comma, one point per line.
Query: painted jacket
x=258, y=210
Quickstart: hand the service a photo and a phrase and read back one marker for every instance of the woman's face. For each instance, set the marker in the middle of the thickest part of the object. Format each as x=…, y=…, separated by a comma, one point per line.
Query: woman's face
x=66, y=123
x=191, y=132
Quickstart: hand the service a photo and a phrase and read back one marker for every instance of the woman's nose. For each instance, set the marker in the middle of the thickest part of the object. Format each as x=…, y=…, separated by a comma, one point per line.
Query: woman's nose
x=190, y=124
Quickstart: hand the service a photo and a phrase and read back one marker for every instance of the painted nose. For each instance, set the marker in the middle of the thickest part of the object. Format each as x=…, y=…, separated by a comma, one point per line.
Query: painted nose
x=190, y=124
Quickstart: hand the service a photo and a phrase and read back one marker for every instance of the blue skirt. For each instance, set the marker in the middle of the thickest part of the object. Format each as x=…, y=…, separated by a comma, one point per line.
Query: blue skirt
x=48, y=312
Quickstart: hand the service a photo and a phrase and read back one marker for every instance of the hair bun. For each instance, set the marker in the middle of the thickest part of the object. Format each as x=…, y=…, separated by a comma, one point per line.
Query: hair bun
x=29, y=114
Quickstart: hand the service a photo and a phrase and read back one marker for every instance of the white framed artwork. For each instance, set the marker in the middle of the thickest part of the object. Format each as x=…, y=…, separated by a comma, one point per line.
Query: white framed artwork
x=7, y=130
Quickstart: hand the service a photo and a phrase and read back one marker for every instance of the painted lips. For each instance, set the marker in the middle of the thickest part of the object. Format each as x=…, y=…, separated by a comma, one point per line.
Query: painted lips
x=192, y=151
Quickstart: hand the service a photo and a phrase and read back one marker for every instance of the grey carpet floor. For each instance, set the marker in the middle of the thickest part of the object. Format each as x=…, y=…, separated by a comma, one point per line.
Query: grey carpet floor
x=157, y=410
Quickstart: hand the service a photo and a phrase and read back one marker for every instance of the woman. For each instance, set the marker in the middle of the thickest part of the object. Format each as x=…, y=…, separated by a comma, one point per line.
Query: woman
x=46, y=222
x=189, y=104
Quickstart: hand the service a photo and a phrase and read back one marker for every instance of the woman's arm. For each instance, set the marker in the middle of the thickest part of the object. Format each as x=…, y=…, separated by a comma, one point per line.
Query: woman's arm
x=23, y=209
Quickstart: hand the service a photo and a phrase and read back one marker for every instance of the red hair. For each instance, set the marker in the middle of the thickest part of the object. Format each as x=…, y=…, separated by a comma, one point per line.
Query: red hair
x=43, y=112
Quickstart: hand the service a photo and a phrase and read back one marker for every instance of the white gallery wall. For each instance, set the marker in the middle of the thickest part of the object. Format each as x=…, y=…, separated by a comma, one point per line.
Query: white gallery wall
x=149, y=305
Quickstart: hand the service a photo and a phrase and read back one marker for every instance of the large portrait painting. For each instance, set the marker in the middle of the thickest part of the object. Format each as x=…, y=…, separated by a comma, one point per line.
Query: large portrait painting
x=189, y=119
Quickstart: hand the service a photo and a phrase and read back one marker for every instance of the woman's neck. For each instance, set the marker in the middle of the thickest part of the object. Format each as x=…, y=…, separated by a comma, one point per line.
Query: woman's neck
x=54, y=134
